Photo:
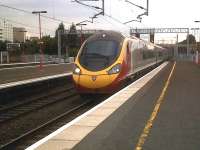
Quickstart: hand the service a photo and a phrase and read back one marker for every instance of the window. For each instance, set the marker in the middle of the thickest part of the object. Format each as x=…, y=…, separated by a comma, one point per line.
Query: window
x=99, y=54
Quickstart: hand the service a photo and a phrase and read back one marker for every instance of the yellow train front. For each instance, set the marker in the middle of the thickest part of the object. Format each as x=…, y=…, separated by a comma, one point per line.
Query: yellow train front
x=99, y=64
x=108, y=58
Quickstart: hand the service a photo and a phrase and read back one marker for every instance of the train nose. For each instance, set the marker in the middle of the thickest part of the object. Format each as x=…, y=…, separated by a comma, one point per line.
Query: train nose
x=94, y=78
x=94, y=81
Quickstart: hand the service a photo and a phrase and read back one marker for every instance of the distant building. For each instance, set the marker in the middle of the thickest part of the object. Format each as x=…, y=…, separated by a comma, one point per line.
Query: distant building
x=19, y=34
x=6, y=31
x=1, y=30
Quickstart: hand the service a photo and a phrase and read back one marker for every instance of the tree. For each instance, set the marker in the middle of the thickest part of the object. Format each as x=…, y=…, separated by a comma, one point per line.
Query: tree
x=3, y=45
x=61, y=29
x=72, y=37
x=182, y=49
x=191, y=38
x=49, y=45
x=31, y=47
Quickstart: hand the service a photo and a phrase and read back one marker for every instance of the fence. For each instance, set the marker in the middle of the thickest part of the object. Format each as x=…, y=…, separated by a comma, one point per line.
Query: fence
x=36, y=58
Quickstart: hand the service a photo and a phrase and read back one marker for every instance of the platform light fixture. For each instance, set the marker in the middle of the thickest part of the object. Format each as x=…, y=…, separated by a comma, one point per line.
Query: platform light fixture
x=39, y=14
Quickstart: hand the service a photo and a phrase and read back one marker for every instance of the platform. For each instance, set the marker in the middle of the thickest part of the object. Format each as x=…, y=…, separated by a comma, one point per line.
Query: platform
x=159, y=111
x=8, y=75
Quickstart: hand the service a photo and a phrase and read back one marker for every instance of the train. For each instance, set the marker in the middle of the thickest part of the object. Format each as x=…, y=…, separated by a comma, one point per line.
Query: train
x=107, y=59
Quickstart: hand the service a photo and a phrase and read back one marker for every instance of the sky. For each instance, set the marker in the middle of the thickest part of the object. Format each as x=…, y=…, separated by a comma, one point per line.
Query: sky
x=162, y=13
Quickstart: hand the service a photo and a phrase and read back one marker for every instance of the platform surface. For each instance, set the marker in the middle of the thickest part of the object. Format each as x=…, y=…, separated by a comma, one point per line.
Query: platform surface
x=175, y=126
x=8, y=75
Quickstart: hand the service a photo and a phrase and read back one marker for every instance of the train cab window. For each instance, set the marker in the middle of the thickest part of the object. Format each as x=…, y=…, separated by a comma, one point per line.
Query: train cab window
x=101, y=47
x=99, y=54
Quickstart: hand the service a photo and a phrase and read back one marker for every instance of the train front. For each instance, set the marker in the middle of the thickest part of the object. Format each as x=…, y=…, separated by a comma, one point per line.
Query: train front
x=98, y=63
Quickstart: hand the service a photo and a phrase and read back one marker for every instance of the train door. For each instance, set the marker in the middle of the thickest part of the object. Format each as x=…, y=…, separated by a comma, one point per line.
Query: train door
x=135, y=54
x=128, y=57
x=131, y=56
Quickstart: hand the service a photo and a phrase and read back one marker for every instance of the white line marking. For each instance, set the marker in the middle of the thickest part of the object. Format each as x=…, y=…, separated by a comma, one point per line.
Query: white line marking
x=7, y=85
x=10, y=64
x=33, y=66
x=40, y=142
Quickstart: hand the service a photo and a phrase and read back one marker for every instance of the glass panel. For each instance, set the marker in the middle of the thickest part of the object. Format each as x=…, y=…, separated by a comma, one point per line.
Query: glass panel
x=101, y=47
x=99, y=54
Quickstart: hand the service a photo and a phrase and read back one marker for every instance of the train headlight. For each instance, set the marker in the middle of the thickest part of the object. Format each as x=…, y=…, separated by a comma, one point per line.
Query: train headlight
x=115, y=69
x=77, y=70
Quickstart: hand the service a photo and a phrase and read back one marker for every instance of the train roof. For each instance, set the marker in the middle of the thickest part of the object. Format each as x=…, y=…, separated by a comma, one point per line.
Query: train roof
x=107, y=34
x=117, y=36
x=150, y=43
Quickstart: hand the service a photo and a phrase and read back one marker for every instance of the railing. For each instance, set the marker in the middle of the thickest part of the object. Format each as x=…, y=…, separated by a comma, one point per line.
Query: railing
x=35, y=58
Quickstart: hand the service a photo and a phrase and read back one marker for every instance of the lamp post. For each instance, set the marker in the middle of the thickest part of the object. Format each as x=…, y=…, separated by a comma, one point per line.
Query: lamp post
x=197, y=21
x=197, y=52
x=41, y=53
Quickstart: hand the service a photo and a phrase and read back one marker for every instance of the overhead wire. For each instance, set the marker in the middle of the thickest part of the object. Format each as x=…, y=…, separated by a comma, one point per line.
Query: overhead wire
x=27, y=25
x=30, y=28
x=95, y=7
x=55, y=19
x=105, y=14
x=25, y=11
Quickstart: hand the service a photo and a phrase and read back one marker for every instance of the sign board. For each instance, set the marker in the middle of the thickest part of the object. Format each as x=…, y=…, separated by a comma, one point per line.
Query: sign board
x=12, y=46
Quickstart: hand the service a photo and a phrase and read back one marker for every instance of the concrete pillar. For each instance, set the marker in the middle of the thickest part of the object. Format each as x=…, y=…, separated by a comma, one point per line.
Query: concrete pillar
x=8, y=60
x=1, y=57
x=176, y=48
x=188, y=46
x=67, y=53
x=59, y=45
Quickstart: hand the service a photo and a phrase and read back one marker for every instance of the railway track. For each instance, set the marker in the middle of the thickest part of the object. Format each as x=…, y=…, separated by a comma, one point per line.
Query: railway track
x=23, y=141
x=34, y=134
x=24, y=107
x=35, y=103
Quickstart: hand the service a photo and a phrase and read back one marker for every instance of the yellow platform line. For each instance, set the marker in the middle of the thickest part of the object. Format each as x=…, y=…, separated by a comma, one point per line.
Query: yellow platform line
x=149, y=123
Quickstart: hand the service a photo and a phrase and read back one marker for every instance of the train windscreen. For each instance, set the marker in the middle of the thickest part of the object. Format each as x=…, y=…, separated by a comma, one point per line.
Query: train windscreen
x=99, y=54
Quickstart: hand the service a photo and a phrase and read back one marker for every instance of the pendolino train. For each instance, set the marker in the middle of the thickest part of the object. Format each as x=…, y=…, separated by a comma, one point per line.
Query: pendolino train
x=107, y=59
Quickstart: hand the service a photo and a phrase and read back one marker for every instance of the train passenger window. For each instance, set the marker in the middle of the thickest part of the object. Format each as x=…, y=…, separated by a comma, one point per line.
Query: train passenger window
x=148, y=54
